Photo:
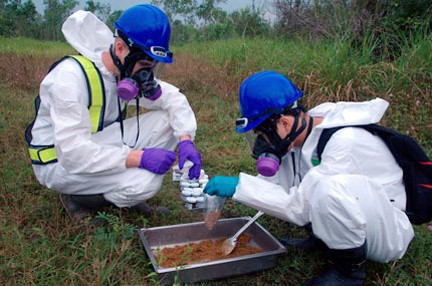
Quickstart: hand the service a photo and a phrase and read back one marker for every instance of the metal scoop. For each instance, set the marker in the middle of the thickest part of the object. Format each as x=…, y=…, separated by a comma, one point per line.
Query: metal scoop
x=230, y=243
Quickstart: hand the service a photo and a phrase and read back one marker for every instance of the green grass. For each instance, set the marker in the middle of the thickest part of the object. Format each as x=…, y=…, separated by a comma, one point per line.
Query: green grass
x=40, y=246
x=32, y=47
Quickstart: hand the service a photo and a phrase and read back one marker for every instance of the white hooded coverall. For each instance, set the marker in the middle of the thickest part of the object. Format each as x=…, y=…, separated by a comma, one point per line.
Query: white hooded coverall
x=355, y=194
x=96, y=163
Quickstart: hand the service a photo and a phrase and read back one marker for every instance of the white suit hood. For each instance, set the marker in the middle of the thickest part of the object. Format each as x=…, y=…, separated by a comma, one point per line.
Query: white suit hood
x=350, y=113
x=342, y=114
x=77, y=30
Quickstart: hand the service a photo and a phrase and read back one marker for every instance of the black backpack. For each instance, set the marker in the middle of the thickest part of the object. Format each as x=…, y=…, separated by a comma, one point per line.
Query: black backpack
x=416, y=166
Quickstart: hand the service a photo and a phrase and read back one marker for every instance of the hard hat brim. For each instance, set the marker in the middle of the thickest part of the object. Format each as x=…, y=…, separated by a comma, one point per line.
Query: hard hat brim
x=253, y=124
x=165, y=60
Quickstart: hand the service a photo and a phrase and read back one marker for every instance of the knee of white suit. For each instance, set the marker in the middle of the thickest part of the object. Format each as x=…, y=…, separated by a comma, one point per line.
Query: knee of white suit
x=337, y=218
x=141, y=187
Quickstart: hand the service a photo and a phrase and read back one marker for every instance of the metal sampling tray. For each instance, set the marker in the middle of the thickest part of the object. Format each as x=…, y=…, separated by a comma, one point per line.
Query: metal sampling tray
x=170, y=236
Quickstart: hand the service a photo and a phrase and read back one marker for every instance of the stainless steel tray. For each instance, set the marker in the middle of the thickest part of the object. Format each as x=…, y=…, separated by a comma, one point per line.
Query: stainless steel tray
x=169, y=236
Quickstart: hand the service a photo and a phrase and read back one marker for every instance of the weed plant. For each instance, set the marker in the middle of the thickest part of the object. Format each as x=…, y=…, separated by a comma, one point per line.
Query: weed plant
x=39, y=245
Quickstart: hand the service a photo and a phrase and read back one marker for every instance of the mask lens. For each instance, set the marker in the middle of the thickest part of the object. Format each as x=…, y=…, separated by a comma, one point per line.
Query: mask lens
x=158, y=69
x=261, y=145
x=148, y=86
x=148, y=63
x=267, y=126
x=143, y=75
x=250, y=140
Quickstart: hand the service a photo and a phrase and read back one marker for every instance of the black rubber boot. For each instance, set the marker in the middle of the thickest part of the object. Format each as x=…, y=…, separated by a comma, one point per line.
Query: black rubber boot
x=311, y=243
x=148, y=210
x=95, y=202
x=349, y=268
x=81, y=207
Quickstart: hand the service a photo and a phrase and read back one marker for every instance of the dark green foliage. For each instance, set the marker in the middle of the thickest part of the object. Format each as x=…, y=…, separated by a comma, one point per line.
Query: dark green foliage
x=385, y=25
x=16, y=18
x=55, y=13
x=100, y=10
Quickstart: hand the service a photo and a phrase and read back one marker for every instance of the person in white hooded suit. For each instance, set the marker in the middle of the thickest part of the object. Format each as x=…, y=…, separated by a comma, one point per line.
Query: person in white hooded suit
x=80, y=144
x=353, y=200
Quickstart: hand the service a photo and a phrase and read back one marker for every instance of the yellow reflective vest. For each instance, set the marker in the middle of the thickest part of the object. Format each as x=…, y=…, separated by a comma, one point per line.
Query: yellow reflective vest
x=96, y=93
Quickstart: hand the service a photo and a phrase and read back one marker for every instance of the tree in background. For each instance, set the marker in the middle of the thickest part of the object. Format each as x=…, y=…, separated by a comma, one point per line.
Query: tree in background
x=54, y=15
x=191, y=20
x=112, y=18
x=211, y=22
x=250, y=22
x=191, y=12
x=102, y=11
x=385, y=25
x=17, y=18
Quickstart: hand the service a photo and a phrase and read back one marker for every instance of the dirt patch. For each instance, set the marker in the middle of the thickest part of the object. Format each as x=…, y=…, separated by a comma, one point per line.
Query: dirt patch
x=204, y=251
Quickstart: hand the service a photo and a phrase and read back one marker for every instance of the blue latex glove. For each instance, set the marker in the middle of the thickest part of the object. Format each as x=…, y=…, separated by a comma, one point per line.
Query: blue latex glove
x=221, y=186
x=157, y=160
x=187, y=151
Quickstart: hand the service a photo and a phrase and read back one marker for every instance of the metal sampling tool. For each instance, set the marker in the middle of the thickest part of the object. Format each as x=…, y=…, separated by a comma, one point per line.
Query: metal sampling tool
x=230, y=243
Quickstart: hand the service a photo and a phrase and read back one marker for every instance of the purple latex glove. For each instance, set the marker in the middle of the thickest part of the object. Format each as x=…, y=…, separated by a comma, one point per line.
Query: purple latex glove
x=157, y=160
x=187, y=151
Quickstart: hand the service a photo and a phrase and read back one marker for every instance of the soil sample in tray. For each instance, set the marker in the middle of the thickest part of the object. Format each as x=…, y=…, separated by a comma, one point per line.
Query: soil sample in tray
x=204, y=251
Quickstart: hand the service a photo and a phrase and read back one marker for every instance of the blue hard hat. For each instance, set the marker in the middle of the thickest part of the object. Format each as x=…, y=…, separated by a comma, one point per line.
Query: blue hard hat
x=262, y=95
x=146, y=27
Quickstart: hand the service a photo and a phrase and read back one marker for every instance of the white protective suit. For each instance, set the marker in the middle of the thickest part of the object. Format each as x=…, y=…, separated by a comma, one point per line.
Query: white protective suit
x=96, y=163
x=355, y=194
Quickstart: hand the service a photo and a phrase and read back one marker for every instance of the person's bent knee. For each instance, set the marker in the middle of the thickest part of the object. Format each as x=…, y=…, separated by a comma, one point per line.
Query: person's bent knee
x=129, y=196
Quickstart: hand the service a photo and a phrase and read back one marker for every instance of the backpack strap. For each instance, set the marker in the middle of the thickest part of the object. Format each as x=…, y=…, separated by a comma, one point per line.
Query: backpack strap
x=324, y=138
x=96, y=92
x=375, y=129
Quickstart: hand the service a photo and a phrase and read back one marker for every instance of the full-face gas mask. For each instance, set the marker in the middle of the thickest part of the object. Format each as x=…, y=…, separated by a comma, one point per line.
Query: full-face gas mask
x=142, y=83
x=268, y=158
x=267, y=147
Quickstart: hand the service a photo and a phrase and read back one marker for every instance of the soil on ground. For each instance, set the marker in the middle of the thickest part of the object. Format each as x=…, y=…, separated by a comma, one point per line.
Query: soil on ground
x=204, y=251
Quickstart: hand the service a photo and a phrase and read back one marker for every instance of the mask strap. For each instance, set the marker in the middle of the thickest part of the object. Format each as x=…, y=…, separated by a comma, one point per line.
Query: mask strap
x=309, y=127
x=121, y=122
x=284, y=144
x=130, y=60
x=115, y=59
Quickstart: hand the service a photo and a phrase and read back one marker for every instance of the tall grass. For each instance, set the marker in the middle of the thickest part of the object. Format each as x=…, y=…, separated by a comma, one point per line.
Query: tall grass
x=39, y=245
x=337, y=70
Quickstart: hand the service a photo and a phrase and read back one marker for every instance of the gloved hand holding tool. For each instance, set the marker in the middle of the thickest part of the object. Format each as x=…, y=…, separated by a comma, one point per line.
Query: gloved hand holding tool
x=157, y=160
x=187, y=151
x=222, y=186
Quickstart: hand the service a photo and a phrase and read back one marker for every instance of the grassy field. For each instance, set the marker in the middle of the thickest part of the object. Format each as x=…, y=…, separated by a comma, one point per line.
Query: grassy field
x=39, y=245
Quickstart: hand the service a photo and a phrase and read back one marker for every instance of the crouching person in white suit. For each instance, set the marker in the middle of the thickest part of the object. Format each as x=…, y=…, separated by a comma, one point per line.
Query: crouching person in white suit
x=80, y=143
x=352, y=200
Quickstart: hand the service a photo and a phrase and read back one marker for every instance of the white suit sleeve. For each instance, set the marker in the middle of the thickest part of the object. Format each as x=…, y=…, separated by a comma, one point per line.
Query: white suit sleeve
x=272, y=199
x=75, y=150
x=182, y=117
